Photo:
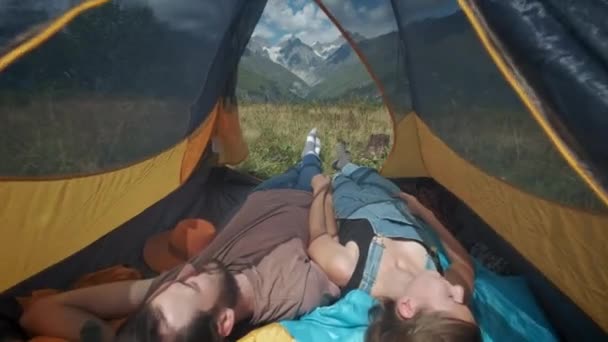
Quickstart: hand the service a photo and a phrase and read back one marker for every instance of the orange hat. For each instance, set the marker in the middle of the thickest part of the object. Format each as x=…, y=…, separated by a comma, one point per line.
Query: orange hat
x=168, y=249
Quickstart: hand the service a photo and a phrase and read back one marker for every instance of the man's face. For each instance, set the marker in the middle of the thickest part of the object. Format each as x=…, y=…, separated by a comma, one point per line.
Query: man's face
x=181, y=300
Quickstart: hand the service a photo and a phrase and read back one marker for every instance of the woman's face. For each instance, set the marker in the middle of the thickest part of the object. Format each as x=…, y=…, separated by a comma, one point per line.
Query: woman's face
x=429, y=291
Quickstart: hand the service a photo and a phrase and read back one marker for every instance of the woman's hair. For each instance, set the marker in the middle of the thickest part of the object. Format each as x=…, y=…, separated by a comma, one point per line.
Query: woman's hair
x=386, y=326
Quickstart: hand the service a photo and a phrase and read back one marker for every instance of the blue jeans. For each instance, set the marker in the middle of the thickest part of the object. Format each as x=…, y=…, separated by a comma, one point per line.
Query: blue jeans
x=362, y=193
x=297, y=177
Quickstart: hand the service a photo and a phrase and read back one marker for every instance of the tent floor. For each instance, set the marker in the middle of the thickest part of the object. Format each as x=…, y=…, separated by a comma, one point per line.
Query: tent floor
x=217, y=193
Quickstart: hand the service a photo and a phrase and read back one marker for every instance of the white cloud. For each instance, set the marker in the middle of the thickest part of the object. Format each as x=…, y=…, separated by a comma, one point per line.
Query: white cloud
x=278, y=12
x=307, y=22
x=262, y=30
x=286, y=36
x=299, y=3
x=324, y=35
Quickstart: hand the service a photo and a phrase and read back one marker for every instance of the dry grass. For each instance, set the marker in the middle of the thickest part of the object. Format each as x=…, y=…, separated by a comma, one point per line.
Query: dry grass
x=512, y=147
x=276, y=133
x=52, y=136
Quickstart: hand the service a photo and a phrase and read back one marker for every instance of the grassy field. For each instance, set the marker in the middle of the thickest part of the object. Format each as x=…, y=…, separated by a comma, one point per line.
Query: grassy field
x=276, y=133
x=506, y=145
x=52, y=137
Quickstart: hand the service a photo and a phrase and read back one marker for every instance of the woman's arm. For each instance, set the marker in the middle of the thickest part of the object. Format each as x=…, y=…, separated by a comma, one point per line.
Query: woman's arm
x=461, y=270
x=316, y=217
x=64, y=315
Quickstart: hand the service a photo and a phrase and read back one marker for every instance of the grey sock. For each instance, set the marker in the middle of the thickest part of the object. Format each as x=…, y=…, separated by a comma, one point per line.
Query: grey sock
x=342, y=156
x=312, y=144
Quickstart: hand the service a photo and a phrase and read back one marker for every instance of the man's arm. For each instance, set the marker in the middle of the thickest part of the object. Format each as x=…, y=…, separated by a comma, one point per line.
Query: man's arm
x=333, y=258
x=64, y=315
x=330, y=218
x=461, y=270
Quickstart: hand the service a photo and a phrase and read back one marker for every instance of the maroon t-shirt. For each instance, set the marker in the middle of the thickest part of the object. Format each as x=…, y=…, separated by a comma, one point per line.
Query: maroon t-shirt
x=267, y=241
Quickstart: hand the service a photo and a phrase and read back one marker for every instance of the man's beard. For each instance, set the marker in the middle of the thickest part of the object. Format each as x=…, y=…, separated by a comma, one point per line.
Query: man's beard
x=229, y=287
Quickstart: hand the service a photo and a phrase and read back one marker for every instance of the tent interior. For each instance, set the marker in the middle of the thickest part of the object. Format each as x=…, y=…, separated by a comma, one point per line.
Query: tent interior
x=500, y=134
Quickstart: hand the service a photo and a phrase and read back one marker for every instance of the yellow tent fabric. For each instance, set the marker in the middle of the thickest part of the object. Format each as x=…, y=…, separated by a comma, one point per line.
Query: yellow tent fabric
x=562, y=242
x=273, y=332
x=405, y=159
x=49, y=220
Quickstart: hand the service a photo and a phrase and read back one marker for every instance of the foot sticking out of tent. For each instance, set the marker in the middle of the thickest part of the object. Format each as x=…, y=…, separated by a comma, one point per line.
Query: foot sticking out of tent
x=342, y=156
x=312, y=144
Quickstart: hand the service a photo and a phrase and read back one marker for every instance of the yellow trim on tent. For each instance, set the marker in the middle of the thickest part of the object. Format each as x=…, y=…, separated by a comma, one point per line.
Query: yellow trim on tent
x=43, y=222
x=197, y=142
x=405, y=159
x=229, y=142
x=531, y=104
x=48, y=32
x=567, y=245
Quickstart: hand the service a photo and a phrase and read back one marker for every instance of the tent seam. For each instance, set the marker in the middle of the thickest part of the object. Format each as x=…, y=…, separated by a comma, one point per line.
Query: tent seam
x=54, y=27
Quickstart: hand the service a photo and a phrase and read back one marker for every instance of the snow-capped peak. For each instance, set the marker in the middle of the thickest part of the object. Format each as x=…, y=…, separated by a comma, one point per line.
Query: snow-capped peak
x=325, y=50
x=274, y=53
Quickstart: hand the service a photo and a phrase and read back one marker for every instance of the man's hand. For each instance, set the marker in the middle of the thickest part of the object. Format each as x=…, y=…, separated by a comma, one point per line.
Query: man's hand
x=319, y=183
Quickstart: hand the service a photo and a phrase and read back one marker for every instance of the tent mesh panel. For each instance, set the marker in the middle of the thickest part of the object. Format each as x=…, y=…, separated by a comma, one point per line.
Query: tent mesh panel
x=373, y=27
x=461, y=95
x=120, y=83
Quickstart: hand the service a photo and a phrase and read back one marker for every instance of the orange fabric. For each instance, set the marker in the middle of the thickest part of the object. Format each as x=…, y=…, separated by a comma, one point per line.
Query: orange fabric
x=26, y=302
x=168, y=249
x=108, y=275
x=230, y=142
x=196, y=144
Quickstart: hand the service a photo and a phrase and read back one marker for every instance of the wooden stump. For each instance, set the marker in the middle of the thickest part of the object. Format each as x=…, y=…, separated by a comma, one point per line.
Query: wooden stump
x=377, y=144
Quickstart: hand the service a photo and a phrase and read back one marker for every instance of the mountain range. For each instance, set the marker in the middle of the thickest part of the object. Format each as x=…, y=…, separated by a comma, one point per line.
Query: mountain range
x=292, y=70
x=451, y=67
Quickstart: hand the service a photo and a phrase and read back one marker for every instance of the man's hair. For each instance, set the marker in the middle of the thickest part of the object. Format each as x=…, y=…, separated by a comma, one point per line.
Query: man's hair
x=145, y=325
x=386, y=326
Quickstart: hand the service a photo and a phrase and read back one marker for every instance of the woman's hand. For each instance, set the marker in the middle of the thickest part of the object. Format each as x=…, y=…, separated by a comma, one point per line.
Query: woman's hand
x=319, y=183
x=414, y=205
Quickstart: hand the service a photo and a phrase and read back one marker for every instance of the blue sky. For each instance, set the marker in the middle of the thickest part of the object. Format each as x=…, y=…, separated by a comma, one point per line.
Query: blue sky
x=304, y=19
